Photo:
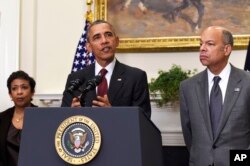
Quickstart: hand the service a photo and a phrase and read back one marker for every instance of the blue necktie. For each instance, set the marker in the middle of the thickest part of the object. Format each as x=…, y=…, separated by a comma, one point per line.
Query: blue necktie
x=215, y=104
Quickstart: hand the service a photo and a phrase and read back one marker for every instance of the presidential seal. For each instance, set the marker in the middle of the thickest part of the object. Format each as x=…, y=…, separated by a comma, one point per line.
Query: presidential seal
x=77, y=140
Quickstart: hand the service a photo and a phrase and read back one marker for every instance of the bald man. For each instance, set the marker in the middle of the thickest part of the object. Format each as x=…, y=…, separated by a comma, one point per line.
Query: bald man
x=215, y=103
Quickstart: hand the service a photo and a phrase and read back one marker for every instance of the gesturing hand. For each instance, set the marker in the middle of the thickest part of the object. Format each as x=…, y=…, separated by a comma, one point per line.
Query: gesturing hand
x=101, y=101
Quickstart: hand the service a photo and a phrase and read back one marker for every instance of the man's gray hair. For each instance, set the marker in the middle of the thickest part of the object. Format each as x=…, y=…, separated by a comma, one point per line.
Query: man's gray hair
x=227, y=37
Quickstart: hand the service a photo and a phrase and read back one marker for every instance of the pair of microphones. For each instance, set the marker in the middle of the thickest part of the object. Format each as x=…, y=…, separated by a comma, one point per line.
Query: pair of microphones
x=90, y=85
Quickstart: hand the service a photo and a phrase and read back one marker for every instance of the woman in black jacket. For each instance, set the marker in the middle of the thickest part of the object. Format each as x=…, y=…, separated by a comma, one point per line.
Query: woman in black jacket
x=21, y=89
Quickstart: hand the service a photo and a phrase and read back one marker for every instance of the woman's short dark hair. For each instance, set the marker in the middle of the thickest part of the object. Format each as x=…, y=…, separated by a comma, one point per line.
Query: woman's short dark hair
x=21, y=75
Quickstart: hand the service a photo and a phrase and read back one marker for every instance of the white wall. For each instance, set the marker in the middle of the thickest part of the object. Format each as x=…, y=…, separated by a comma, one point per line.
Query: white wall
x=152, y=62
x=9, y=46
x=50, y=33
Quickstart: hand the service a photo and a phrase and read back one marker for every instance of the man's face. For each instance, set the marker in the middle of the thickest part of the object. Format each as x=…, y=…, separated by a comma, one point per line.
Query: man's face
x=102, y=43
x=213, y=52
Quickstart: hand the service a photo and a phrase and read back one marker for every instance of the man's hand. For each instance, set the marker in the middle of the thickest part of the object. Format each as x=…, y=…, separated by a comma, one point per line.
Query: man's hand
x=101, y=101
x=75, y=102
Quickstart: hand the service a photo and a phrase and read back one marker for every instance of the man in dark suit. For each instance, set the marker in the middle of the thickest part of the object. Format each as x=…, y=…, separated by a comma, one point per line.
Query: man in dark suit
x=127, y=86
x=215, y=117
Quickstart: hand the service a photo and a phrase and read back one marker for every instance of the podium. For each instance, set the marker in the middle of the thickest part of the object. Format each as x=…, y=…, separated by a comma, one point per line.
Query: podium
x=128, y=138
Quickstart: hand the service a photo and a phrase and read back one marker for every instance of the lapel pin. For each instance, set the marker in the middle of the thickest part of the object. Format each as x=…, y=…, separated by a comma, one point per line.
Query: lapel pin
x=237, y=89
x=119, y=79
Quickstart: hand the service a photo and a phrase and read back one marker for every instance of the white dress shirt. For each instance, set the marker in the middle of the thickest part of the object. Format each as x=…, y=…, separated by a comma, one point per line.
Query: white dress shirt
x=224, y=75
x=109, y=68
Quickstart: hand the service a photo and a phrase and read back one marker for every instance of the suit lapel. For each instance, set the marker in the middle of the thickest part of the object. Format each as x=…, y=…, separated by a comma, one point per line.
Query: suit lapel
x=117, y=80
x=203, y=101
x=91, y=95
x=232, y=93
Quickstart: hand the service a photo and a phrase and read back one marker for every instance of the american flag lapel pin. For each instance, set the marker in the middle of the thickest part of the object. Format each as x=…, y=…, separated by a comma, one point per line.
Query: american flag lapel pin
x=236, y=89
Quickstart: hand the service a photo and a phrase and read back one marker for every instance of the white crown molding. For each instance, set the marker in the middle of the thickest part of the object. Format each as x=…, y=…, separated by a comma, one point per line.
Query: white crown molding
x=48, y=100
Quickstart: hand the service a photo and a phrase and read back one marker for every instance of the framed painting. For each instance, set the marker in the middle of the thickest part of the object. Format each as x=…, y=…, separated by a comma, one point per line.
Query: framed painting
x=172, y=25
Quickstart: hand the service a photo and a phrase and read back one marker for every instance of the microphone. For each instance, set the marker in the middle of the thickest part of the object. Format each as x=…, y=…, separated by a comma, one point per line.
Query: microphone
x=91, y=84
x=75, y=84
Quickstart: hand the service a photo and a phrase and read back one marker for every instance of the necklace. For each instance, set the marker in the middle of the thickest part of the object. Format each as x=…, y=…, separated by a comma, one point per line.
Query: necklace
x=18, y=119
x=18, y=116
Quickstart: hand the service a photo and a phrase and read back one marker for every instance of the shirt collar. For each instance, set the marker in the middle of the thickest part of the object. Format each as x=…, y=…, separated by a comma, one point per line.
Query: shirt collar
x=224, y=74
x=109, y=68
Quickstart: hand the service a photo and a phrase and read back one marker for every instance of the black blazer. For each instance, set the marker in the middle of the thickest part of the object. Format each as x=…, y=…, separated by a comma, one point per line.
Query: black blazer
x=128, y=87
x=5, y=122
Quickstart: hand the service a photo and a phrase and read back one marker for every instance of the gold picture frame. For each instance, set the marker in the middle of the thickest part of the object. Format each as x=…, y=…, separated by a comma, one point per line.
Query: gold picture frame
x=164, y=43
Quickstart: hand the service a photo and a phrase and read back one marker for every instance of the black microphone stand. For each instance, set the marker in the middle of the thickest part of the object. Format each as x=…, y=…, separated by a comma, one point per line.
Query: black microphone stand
x=91, y=84
x=82, y=97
